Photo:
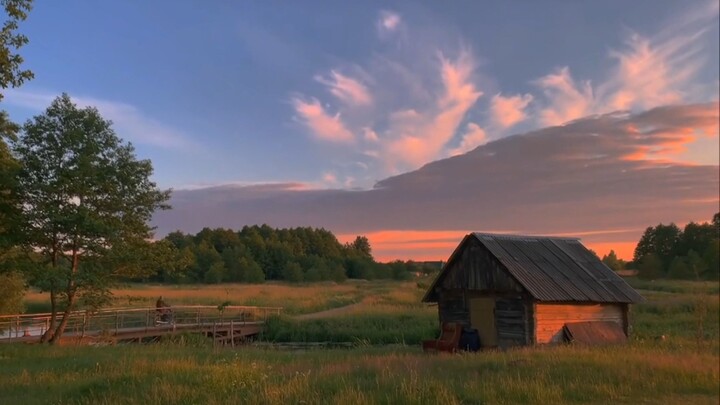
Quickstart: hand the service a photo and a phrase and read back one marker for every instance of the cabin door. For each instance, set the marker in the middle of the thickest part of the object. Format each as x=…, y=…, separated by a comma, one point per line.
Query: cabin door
x=482, y=318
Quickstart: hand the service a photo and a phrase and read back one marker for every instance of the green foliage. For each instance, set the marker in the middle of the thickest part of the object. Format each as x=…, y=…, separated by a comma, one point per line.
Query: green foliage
x=691, y=253
x=251, y=271
x=361, y=246
x=86, y=203
x=612, y=261
x=711, y=257
x=679, y=269
x=411, y=328
x=650, y=267
x=293, y=272
x=662, y=241
x=215, y=273
x=12, y=291
x=11, y=73
x=258, y=253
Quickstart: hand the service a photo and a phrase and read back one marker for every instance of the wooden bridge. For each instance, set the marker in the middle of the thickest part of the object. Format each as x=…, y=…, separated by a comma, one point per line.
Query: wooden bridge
x=226, y=325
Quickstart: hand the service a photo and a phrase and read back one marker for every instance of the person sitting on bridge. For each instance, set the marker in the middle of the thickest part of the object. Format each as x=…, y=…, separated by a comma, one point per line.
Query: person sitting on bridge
x=163, y=310
x=160, y=303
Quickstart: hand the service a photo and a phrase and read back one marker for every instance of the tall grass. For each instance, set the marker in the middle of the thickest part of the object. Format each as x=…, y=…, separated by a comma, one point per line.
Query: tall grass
x=637, y=373
x=295, y=299
x=187, y=370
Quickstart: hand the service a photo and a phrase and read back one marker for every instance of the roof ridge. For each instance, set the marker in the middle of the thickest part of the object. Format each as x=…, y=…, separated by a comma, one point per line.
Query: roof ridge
x=518, y=236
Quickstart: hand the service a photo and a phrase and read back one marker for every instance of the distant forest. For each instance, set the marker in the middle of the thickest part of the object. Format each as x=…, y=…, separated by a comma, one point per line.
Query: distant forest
x=666, y=251
x=259, y=253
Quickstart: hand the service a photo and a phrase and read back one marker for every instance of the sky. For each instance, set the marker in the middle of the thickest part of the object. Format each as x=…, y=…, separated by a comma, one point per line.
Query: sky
x=329, y=114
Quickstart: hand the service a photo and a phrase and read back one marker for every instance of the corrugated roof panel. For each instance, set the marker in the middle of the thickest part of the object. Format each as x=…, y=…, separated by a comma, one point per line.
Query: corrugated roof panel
x=559, y=272
x=549, y=278
x=617, y=289
x=558, y=269
x=583, y=275
x=575, y=275
x=523, y=276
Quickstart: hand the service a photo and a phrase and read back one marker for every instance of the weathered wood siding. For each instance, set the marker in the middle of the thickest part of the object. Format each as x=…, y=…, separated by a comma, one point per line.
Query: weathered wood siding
x=550, y=318
x=513, y=321
x=476, y=270
x=452, y=307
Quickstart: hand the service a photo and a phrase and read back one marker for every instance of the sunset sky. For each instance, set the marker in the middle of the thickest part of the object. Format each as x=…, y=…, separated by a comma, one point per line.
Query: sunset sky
x=592, y=119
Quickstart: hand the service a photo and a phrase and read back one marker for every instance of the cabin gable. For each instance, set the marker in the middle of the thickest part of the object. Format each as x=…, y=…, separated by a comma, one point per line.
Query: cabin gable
x=475, y=269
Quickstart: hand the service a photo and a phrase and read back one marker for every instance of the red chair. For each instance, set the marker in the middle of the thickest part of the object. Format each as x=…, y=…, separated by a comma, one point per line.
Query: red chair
x=448, y=341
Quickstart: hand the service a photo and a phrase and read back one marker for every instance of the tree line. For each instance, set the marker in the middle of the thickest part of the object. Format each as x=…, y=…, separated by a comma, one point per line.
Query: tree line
x=259, y=253
x=666, y=251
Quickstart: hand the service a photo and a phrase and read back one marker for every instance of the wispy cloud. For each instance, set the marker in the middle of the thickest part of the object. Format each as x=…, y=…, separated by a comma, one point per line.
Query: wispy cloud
x=473, y=137
x=416, y=138
x=346, y=89
x=648, y=72
x=508, y=111
x=566, y=99
x=370, y=135
x=323, y=126
x=407, y=106
x=388, y=21
x=129, y=121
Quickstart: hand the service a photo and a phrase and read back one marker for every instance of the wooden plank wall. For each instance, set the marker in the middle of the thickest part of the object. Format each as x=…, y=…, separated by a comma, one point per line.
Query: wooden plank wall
x=550, y=318
x=476, y=270
x=511, y=322
x=452, y=307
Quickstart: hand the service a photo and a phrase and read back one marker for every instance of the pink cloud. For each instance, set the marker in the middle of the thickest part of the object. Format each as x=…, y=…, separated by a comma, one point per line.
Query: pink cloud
x=648, y=76
x=474, y=136
x=346, y=89
x=370, y=135
x=388, y=21
x=417, y=138
x=567, y=100
x=324, y=126
x=508, y=111
x=650, y=141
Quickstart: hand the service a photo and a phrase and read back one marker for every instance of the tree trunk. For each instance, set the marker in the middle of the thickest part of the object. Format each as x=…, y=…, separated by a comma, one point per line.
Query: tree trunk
x=70, y=299
x=65, y=318
x=49, y=333
x=53, y=317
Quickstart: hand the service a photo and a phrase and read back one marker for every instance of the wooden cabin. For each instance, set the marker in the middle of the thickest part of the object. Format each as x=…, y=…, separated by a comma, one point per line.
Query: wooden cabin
x=525, y=290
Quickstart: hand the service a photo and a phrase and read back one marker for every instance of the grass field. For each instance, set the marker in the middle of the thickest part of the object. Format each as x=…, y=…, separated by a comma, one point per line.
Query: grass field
x=683, y=367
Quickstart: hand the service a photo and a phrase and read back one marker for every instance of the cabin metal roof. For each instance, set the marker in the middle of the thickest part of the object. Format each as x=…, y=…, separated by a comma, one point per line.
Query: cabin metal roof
x=551, y=269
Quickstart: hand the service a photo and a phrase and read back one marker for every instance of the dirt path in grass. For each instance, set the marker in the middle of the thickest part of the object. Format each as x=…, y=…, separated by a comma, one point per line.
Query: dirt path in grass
x=330, y=312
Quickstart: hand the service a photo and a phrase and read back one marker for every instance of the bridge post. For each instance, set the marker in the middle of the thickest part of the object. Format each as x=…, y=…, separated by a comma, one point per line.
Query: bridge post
x=232, y=334
x=213, y=333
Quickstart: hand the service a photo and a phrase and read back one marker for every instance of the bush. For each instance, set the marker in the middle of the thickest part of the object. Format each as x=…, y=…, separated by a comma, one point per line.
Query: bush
x=12, y=291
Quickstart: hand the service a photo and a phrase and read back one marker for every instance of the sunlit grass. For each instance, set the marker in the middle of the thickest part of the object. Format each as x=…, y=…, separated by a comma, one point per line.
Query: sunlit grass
x=640, y=372
x=295, y=299
x=664, y=363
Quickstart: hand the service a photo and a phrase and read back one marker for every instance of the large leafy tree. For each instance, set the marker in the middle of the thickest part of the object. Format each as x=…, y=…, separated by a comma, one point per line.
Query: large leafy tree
x=86, y=202
x=11, y=72
x=11, y=75
x=662, y=241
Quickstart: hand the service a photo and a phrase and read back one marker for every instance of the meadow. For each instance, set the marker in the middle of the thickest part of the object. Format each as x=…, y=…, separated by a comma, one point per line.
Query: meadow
x=673, y=356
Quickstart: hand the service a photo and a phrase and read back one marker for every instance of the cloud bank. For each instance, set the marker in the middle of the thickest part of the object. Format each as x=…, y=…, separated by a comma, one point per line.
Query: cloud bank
x=603, y=176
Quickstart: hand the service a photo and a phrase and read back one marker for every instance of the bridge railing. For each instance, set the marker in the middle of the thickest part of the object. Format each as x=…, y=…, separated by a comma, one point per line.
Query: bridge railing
x=112, y=320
